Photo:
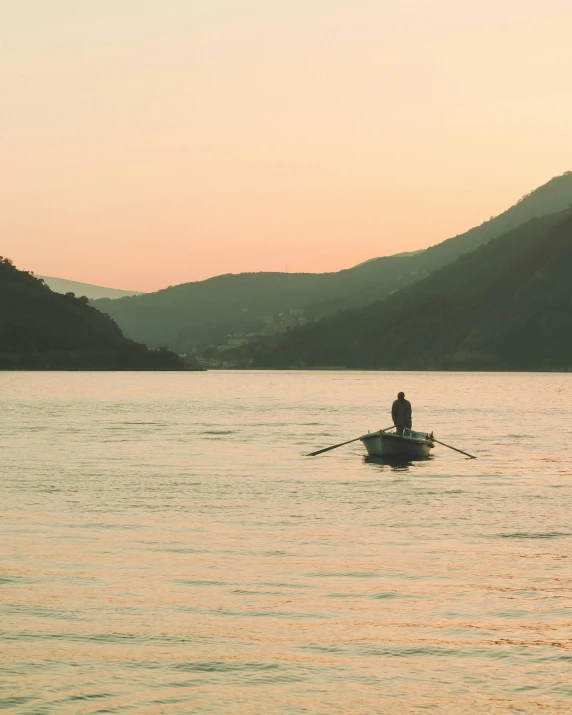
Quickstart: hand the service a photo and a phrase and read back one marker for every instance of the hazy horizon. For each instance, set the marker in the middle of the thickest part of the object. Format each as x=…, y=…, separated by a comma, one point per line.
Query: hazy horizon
x=146, y=144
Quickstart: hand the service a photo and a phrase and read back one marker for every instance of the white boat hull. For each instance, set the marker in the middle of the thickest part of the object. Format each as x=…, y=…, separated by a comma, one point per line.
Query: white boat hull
x=416, y=445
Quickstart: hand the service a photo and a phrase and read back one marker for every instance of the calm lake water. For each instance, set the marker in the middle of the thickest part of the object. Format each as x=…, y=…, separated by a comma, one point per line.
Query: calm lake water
x=167, y=548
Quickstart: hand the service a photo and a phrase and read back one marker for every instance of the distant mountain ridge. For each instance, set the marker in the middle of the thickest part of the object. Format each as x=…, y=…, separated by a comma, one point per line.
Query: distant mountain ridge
x=93, y=292
x=230, y=309
x=505, y=306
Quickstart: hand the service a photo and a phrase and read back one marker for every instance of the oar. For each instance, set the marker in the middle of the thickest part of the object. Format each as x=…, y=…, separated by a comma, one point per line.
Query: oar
x=341, y=444
x=454, y=448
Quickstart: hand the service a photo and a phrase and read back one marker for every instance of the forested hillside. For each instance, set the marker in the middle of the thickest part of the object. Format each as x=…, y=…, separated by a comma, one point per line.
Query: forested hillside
x=43, y=330
x=505, y=306
x=191, y=316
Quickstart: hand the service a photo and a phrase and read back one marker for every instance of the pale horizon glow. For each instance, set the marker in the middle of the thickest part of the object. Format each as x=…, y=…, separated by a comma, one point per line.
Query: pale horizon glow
x=146, y=143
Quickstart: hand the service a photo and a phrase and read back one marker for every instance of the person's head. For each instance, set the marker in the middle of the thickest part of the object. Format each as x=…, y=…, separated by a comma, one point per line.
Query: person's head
x=400, y=395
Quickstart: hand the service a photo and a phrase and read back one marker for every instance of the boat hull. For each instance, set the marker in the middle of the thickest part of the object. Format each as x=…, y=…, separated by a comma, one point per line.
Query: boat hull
x=416, y=445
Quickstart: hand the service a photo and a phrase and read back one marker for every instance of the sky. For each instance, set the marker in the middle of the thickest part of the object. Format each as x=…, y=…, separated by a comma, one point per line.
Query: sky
x=145, y=143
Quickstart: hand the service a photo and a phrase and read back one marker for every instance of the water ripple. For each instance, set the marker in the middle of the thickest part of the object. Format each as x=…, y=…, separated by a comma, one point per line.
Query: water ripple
x=167, y=548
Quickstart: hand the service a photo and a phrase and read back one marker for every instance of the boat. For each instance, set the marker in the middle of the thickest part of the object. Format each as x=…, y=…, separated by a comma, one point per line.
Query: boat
x=412, y=444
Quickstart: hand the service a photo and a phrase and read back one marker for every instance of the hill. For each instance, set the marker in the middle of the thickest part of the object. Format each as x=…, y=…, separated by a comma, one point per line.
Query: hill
x=504, y=306
x=232, y=310
x=190, y=316
x=43, y=330
x=93, y=292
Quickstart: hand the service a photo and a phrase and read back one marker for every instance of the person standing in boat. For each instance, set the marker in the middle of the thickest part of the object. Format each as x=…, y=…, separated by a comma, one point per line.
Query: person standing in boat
x=401, y=413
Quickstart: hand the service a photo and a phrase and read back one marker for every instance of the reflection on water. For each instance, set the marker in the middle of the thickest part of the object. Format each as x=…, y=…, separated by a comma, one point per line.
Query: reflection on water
x=396, y=463
x=168, y=548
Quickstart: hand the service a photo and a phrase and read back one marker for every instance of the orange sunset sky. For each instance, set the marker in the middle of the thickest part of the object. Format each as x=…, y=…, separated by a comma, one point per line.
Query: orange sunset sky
x=145, y=143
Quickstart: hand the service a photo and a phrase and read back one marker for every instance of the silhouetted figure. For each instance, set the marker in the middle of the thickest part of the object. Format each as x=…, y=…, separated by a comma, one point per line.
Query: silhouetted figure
x=401, y=413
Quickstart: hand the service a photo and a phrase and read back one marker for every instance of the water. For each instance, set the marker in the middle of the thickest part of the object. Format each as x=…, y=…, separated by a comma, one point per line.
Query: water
x=167, y=548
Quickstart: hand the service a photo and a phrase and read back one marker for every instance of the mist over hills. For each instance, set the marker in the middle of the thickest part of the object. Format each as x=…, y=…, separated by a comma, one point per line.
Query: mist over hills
x=93, y=292
x=224, y=314
x=505, y=306
x=44, y=330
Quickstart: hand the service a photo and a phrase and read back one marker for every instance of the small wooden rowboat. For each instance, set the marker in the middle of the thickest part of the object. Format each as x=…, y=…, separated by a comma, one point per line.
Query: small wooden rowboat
x=415, y=445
